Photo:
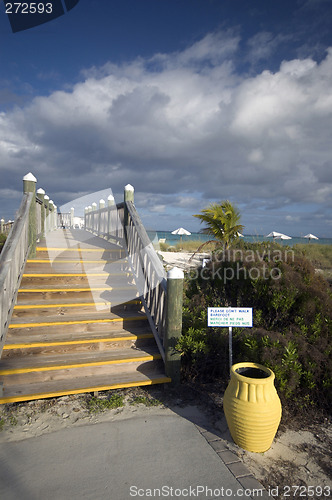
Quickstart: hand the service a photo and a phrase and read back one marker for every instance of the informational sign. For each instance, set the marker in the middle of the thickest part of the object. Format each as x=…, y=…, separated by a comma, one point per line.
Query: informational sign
x=240, y=317
x=230, y=316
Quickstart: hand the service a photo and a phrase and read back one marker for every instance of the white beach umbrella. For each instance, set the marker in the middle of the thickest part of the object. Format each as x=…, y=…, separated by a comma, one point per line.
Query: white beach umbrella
x=278, y=236
x=181, y=231
x=311, y=237
x=274, y=234
x=284, y=237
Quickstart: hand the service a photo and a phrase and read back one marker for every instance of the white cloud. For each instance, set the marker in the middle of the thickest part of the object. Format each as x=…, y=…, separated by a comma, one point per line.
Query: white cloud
x=182, y=122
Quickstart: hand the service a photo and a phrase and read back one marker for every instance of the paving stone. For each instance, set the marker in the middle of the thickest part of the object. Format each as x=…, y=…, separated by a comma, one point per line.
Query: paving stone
x=219, y=445
x=239, y=469
x=204, y=430
x=228, y=457
x=250, y=483
x=210, y=436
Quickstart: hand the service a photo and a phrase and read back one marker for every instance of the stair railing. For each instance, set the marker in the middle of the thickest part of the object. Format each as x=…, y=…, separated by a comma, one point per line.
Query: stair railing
x=161, y=293
x=34, y=217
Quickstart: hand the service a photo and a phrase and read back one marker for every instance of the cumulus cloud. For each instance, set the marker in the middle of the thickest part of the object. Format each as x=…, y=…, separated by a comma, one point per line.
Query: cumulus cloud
x=182, y=126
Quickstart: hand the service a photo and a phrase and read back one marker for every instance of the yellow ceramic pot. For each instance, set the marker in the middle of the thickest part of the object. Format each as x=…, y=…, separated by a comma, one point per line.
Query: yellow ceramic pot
x=252, y=406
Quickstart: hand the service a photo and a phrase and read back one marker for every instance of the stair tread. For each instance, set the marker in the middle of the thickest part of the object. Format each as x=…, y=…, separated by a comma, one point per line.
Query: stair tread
x=64, y=286
x=45, y=361
x=88, y=317
x=54, y=303
x=55, y=388
x=35, y=337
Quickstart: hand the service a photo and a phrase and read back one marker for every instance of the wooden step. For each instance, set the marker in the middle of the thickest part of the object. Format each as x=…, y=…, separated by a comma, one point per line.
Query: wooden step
x=63, y=308
x=80, y=252
x=50, y=362
x=77, y=278
x=103, y=317
x=78, y=324
x=97, y=322
x=77, y=266
x=63, y=335
x=46, y=296
x=28, y=345
x=147, y=374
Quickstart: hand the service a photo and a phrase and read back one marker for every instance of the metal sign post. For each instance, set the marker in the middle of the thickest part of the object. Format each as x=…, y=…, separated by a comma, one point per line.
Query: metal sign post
x=230, y=346
x=240, y=317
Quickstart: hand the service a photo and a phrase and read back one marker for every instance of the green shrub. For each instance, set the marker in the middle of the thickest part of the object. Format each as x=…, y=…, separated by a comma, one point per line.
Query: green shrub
x=3, y=238
x=319, y=255
x=292, y=318
x=100, y=404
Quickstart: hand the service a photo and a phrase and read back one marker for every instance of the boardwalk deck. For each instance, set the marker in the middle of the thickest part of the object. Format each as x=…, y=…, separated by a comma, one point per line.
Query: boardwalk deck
x=78, y=324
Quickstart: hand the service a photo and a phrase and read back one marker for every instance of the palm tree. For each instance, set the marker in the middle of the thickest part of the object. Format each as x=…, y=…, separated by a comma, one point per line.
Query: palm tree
x=222, y=221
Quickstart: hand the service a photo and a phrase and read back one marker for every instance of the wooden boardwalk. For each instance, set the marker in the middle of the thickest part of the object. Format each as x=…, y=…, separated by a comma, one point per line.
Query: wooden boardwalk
x=78, y=325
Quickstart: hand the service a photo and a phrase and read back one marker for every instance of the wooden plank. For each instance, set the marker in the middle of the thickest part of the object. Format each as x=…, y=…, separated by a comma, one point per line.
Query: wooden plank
x=51, y=362
x=75, y=346
x=63, y=335
x=96, y=317
x=80, y=386
x=106, y=372
x=84, y=328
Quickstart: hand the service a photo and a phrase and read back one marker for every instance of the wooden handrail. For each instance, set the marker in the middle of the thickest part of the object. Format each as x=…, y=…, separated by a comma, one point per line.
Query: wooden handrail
x=28, y=227
x=12, y=262
x=149, y=274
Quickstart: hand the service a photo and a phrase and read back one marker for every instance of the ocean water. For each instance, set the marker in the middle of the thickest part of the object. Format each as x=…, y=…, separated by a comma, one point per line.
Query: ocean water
x=173, y=239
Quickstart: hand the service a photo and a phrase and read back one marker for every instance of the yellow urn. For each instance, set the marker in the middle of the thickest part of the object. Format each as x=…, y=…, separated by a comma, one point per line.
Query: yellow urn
x=252, y=406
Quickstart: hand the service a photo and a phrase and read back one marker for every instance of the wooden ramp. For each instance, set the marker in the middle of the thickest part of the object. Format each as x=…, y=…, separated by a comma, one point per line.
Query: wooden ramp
x=78, y=325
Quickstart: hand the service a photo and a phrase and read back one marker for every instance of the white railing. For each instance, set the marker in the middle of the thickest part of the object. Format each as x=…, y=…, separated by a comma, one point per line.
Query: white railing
x=161, y=295
x=149, y=274
x=28, y=227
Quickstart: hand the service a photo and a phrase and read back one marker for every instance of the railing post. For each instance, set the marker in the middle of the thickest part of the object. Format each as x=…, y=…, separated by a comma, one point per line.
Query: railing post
x=90, y=217
x=128, y=196
x=86, y=210
x=93, y=217
x=55, y=217
x=29, y=186
x=41, y=194
x=51, y=215
x=101, y=205
x=47, y=213
x=2, y=225
x=110, y=204
x=72, y=210
x=173, y=323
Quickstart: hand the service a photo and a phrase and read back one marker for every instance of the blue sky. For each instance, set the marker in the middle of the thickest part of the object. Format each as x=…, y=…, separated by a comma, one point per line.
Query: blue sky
x=190, y=101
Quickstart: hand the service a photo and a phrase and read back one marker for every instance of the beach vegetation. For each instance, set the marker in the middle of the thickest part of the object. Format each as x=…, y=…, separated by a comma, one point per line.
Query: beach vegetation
x=292, y=323
x=100, y=403
x=222, y=222
x=3, y=238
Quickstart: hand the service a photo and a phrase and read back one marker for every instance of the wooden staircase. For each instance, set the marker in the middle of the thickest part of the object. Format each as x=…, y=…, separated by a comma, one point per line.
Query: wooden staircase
x=78, y=325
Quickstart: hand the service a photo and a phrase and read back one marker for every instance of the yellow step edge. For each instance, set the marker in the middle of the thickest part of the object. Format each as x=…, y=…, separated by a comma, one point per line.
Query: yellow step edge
x=82, y=304
x=43, y=290
x=9, y=347
x=16, y=371
x=51, y=275
x=79, y=249
x=41, y=306
x=78, y=322
x=95, y=388
x=71, y=261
